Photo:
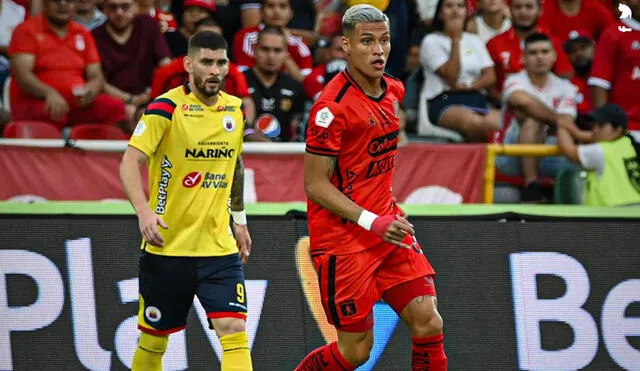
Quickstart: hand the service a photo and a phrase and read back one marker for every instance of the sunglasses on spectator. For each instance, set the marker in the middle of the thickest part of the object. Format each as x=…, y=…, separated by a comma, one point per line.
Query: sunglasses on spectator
x=115, y=7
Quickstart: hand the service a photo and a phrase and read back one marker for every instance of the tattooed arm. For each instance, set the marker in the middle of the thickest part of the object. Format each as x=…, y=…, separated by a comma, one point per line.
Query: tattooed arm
x=318, y=171
x=236, y=204
x=237, y=187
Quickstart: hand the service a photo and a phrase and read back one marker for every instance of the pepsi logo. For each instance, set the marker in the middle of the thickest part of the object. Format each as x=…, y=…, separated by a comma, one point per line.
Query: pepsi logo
x=192, y=179
x=268, y=125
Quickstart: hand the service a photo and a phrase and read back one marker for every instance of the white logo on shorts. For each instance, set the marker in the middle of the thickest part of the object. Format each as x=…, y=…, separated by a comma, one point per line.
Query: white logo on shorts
x=153, y=314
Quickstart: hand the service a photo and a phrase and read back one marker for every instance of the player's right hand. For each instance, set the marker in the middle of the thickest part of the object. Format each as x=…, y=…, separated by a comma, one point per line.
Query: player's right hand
x=393, y=229
x=149, y=222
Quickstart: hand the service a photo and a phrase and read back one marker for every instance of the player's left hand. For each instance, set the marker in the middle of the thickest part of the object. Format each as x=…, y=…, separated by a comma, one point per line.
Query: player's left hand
x=241, y=233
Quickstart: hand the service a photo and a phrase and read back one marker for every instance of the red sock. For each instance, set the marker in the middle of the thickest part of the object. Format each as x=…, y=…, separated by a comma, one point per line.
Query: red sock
x=326, y=358
x=427, y=354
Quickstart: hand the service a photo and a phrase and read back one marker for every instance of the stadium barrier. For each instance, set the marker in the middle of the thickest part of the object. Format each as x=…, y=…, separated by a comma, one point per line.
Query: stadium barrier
x=520, y=288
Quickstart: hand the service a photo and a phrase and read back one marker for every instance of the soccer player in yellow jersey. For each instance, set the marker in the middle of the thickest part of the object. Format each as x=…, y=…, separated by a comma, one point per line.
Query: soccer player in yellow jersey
x=191, y=138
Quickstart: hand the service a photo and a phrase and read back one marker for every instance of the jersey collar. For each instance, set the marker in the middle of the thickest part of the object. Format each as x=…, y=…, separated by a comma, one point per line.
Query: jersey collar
x=350, y=78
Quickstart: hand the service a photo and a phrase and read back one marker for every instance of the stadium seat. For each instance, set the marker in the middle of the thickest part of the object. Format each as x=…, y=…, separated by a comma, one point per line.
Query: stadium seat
x=569, y=188
x=97, y=131
x=427, y=129
x=31, y=130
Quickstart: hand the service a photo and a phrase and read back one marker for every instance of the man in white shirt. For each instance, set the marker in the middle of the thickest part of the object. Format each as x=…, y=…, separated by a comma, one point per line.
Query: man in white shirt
x=537, y=100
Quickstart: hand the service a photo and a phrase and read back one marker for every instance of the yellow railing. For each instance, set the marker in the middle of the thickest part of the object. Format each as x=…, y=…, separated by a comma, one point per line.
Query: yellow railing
x=493, y=150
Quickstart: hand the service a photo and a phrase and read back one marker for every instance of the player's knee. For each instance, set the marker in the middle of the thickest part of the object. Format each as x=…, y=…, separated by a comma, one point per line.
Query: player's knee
x=152, y=343
x=226, y=326
x=427, y=325
x=358, y=352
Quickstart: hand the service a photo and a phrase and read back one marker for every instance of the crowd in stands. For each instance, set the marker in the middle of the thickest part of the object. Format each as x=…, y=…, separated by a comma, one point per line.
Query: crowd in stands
x=506, y=71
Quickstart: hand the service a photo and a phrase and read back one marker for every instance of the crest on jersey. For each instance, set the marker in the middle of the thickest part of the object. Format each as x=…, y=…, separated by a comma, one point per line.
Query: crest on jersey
x=228, y=123
x=140, y=128
x=268, y=125
x=324, y=117
x=153, y=314
x=633, y=171
x=285, y=105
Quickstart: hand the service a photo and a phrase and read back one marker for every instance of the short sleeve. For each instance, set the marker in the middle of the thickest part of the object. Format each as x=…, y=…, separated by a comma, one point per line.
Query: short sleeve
x=325, y=129
x=568, y=100
x=433, y=52
x=153, y=125
x=604, y=61
x=591, y=157
x=91, y=55
x=22, y=41
x=511, y=84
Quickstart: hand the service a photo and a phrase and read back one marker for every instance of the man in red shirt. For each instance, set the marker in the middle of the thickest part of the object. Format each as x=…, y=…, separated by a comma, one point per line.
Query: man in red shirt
x=565, y=16
x=275, y=13
x=580, y=48
x=615, y=75
x=362, y=246
x=56, y=71
x=506, y=48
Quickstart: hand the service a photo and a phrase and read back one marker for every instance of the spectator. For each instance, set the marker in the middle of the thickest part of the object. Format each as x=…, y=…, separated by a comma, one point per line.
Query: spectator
x=492, y=20
x=565, y=16
x=323, y=73
x=613, y=161
x=11, y=15
x=56, y=71
x=538, y=99
x=457, y=69
x=88, y=14
x=194, y=11
x=413, y=80
x=131, y=47
x=506, y=48
x=580, y=48
x=166, y=20
x=173, y=74
x=615, y=75
x=279, y=99
x=275, y=13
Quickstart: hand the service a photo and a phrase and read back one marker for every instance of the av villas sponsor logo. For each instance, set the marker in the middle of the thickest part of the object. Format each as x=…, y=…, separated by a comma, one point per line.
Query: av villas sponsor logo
x=163, y=185
x=211, y=180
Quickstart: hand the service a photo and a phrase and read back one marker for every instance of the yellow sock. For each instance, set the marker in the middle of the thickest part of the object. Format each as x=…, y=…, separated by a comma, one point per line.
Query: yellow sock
x=235, y=352
x=148, y=356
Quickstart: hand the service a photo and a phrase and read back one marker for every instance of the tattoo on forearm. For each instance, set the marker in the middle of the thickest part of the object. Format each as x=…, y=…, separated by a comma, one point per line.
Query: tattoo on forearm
x=331, y=166
x=237, y=188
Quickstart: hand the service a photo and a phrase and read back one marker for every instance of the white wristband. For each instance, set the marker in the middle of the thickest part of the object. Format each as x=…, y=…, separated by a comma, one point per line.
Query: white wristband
x=366, y=219
x=239, y=217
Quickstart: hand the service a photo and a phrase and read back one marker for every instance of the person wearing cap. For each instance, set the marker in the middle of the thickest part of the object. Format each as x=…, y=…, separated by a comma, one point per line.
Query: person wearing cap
x=580, y=48
x=612, y=159
x=194, y=11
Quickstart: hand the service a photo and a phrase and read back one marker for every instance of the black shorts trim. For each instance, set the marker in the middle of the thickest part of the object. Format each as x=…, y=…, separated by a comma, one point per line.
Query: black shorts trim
x=331, y=291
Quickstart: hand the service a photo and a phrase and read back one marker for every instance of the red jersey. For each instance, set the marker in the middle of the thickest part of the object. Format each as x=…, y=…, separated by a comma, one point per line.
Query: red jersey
x=172, y=75
x=593, y=18
x=583, y=99
x=247, y=37
x=506, y=51
x=362, y=134
x=166, y=20
x=616, y=67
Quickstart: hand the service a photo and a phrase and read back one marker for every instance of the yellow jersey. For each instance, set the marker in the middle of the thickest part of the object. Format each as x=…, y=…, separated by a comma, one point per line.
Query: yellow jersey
x=192, y=150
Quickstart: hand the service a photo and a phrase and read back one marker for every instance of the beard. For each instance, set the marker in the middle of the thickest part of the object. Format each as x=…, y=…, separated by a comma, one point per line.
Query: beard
x=201, y=85
x=526, y=28
x=583, y=67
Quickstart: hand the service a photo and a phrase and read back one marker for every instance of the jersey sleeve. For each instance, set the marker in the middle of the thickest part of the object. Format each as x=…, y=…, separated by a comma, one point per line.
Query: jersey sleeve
x=152, y=126
x=23, y=41
x=511, y=84
x=241, y=58
x=591, y=156
x=325, y=129
x=91, y=54
x=568, y=104
x=604, y=61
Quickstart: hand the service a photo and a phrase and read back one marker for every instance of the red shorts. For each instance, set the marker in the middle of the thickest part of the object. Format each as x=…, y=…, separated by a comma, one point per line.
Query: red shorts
x=104, y=109
x=351, y=284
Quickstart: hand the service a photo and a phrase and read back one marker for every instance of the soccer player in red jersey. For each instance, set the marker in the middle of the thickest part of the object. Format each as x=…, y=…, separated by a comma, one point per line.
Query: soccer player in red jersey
x=362, y=245
x=615, y=75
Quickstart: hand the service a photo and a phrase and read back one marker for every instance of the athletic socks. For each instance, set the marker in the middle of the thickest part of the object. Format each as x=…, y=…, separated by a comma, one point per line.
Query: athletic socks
x=326, y=358
x=427, y=354
x=235, y=352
